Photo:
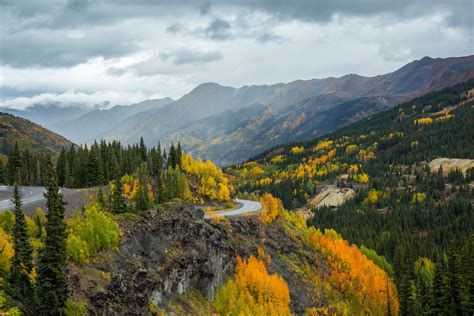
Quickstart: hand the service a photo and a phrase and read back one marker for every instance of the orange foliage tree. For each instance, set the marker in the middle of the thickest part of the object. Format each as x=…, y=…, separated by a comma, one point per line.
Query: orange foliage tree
x=252, y=291
x=354, y=274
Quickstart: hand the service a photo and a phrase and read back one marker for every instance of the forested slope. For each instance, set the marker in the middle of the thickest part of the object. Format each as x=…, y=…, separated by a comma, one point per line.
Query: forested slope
x=420, y=219
x=28, y=135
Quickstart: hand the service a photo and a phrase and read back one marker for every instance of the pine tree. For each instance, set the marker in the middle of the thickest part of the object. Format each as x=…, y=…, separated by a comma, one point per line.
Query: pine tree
x=142, y=201
x=20, y=287
x=61, y=168
x=101, y=199
x=179, y=154
x=171, y=163
x=438, y=296
x=117, y=201
x=469, y=264
x=52, y=284
x=143, y=150
x=14, y=165
x=455, y=284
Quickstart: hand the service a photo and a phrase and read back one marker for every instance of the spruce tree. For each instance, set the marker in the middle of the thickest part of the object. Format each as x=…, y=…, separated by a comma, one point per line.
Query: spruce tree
x=14, y=165
x=117, y=201
x=61, y=168
x=20, y=287
x=143, y=150
x=469, y=265
x=438, y=296
x=142, y=201
x=179, y=154
x=171, y=163
x=101, y=199
x=52, y=284
x=456, y=286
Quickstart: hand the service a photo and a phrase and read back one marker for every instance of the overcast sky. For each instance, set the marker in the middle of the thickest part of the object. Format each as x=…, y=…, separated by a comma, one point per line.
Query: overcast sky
x=93, y=51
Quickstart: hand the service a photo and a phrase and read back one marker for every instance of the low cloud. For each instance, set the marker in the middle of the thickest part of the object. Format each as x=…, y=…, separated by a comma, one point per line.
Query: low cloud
x=188, y=56
x=101, y=99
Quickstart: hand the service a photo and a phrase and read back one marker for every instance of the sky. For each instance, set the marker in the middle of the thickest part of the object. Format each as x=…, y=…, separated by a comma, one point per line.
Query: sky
x=107, y=52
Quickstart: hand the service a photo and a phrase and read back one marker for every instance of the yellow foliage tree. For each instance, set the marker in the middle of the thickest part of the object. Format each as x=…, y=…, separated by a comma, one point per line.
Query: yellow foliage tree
x=271, y=208
x=423, y=121
x=361, y=178
x=6, y=250
x=297, y=150
x=253, y=291
x=223, y=194
x=208, y=187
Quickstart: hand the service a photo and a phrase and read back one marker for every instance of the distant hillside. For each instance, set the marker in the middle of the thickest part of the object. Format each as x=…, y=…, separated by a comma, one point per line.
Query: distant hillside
x=50, y=113
x=96, y=122
x=28, y=135
x=229, y=125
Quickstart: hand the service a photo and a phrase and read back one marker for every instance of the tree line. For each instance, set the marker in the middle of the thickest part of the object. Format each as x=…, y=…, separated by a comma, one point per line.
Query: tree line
x=81, y=166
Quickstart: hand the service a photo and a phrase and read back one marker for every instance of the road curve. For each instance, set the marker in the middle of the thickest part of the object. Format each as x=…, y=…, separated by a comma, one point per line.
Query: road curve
x=28, y=195
x=247, y=207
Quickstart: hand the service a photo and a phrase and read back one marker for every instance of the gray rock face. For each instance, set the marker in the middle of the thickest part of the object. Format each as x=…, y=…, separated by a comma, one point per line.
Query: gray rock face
x=164, y=254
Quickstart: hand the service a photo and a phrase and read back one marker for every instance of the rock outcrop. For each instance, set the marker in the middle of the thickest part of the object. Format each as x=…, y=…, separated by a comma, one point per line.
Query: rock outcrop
x=167, y=254
x=332, y=197
x=450, y=164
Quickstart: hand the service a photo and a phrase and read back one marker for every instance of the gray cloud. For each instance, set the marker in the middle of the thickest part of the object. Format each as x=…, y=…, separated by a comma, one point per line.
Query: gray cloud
x=37, y=48
x=187, y=56
x=27, y=40
x=218, y=29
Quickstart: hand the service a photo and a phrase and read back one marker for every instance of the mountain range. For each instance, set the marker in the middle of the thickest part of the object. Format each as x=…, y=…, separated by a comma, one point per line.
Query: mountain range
x=230, y=125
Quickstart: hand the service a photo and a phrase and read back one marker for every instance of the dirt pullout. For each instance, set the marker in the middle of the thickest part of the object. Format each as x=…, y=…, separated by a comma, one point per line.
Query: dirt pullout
x=75, y=199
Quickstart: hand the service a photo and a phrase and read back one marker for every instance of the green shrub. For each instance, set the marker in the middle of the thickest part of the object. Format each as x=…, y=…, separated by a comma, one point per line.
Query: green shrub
x=90, y=233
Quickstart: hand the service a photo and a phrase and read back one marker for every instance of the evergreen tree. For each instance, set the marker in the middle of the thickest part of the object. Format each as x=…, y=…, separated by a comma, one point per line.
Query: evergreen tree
x=14, y=165
x=172, y=159
x=438, y=297
x=142, y=201
x=143, y=150
x=52, y=284
x=469, y=264
x=101, y=199
x=179, y=154
x=20, y=287
x=455, y=283
x=61, y=168
x=117, y=200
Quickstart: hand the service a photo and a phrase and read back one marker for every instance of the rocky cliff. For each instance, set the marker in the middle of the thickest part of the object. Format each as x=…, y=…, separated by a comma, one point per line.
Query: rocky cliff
x=172, y=260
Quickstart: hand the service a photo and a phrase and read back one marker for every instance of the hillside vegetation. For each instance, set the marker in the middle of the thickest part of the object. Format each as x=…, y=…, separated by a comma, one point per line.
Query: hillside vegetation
x=140, y=249
x=419, y=219
x=29, y=136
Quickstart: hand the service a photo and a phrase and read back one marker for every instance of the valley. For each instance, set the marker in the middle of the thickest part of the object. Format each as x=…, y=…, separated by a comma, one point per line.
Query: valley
x=322, y=216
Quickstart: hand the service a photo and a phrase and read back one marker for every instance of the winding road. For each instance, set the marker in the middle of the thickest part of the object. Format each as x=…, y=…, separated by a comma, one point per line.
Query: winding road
x=35, y=194
x=247, y=207
x=28, y=195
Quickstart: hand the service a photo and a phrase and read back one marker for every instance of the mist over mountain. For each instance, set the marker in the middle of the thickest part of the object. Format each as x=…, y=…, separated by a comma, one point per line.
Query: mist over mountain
x=98, y=121
x=48, y=114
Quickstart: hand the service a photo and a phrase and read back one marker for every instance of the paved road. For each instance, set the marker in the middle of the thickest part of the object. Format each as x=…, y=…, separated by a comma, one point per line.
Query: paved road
x=35, y=194
x=28, y=195
x=247, y=207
